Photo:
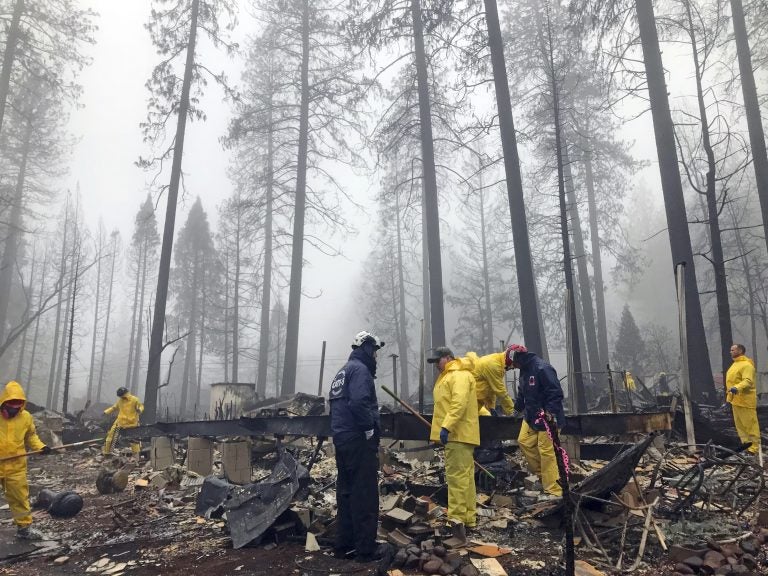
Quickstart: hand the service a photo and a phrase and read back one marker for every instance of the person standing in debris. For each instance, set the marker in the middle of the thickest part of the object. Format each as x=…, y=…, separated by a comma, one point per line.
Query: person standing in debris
x=489, y=372
x=17, y=434
x=356, y=431
x=128, y=407
x=455, y=424
x=539, y=389
x=741, y=394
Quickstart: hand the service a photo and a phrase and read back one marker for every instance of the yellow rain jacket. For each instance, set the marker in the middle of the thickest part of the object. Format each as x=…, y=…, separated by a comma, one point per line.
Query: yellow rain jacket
x=129, y=407
x=741, y=375
x=456, y=404
x=17, y=434
x=489, y=375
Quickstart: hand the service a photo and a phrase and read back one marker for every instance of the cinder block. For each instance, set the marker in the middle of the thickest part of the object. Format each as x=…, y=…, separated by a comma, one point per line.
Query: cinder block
x=236, y=460
x=161, y=453
x=200, y=456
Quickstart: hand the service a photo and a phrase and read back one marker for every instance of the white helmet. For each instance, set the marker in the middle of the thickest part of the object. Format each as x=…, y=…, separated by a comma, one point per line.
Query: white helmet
x=362, y=336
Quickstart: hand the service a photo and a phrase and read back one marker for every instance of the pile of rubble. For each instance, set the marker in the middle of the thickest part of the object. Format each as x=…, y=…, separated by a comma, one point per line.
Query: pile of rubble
x=648, y=511
x=738, y=556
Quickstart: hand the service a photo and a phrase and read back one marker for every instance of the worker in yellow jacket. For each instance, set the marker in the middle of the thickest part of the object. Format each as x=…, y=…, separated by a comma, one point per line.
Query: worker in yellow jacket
x=17, y=435
x=489, y=372
x=455, y=424
x=741, y=394
x=128, y=407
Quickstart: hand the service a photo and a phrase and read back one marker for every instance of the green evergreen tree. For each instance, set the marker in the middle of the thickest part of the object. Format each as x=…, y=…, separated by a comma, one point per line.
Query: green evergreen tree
x=629, y=350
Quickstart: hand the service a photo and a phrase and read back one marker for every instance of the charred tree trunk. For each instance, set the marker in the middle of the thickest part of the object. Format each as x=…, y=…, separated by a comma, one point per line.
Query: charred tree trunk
x=578, y=385
x=106, y=322
x=437, y=313
x=140, y=324
x=33, y=354
x=135, y=315
x=297, y=254
x=235, y=305
x=199, y=383
x=699, y=366
x=425, y=274
x=402, y=343
x=189, y=355
x=597, y=262
x=580, y=256
x=73, y=309
x=30, y=296
x=158, y=322
x=226, y=315
x=57, y=324
x=487, y=311
x=95, y=315
x=266, y=288
x=752, y=109
x=533, y=333
x=717, y=261
x=9, y=55
x=67, y=312
x=743, y=256
x=11, y=248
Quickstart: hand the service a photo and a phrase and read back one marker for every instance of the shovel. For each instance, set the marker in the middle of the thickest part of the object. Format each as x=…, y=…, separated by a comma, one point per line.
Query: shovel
x=62, y=447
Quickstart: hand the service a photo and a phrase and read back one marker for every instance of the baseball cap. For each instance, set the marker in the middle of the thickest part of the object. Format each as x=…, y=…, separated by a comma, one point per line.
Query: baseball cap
x=438, y=353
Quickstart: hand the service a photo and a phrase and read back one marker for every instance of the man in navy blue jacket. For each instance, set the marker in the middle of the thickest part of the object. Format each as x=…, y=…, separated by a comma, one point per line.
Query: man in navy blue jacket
x=356, y=431
x=538, y=389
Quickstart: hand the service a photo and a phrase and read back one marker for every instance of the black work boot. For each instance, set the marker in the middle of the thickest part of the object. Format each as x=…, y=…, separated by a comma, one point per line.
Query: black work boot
x=380, y=552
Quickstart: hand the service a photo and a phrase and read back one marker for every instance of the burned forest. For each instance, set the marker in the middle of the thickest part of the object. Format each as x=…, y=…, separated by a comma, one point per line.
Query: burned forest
x=391, y=288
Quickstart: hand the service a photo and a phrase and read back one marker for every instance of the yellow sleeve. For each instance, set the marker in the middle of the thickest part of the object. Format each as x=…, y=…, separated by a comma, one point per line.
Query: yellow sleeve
x=111, y=409
x=460, y=391
x=747, y=382
x=31, y=439
x=494, y=374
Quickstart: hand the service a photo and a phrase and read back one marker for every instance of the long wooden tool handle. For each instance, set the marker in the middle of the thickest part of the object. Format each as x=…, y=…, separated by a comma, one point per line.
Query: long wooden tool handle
x=63, y=446
x=428, y=425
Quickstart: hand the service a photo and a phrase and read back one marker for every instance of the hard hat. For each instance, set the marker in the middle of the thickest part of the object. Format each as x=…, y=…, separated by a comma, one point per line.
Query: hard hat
x=122, y=391
x=364, y=336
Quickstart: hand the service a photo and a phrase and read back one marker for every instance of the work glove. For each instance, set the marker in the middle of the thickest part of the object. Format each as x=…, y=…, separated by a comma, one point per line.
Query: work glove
x=734, y=390
x=444, y=435
x=494, y=412
x=369, y=434
x=45, y=450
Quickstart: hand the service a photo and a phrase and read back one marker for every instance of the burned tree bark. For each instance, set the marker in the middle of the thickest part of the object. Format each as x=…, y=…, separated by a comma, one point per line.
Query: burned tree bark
x=533, y=334
x=713, y=217
x=403, y=331
x=158, y=322
x=266, y=287
x=597, y=262
x=752, y=108
x=679, y=236
x=585, y=290
x=437, y=312
x=106, y=322
x=99, y=255
x=9, y=55
x=578, y=385
x=11, y=248
x=288, y=385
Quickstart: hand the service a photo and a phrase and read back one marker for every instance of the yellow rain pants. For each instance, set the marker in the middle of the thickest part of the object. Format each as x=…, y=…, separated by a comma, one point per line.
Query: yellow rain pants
x=460, y=474
x=135, y=447
x=540, y=455
x=16, y=491
x=747, y=426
